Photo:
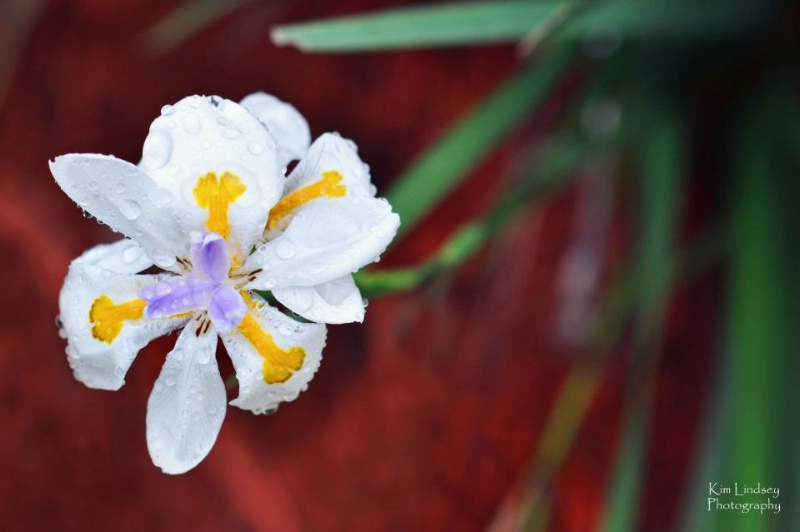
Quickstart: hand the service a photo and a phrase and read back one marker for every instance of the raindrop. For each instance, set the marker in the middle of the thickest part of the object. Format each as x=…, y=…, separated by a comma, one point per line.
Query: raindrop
x=162, y=289
x=86, y=214
x=62, y=333
x=285, y=249
x=230, y=133
x=167, y=110
x=130, y=209
x=157, y=150
x=163, y=259
x=191, y=123
x=170, y=381
x=120, y=188
x=204, y=357
x=269, y=283
x=131, y=254
x=93, y=186
x=303, y=300
x=174, y=169
x=256, y=148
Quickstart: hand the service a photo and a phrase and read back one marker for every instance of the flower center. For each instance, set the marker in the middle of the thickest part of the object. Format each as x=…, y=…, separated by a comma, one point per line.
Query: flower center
x=207, y=288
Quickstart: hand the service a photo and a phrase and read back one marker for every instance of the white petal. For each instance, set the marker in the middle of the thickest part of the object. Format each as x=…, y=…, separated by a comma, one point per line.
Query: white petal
x=329, y=153
x=121, y=196
x=254, y=393
x=286, y=124
x=337, y=301
x=187, y=405
x=199, y=135
x=106, y=270
x=327, y=239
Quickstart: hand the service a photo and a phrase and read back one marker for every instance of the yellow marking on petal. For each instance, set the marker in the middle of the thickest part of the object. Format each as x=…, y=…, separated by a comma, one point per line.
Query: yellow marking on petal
x=106, y=317
x=279, y=364
x=216, y=195
x=329, y=186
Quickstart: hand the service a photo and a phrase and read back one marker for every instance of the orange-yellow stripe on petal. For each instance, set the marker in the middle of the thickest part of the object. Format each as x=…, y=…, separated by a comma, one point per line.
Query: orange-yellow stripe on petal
x=217, y=195
x=107, y=318
x=279, y=364
x=329, y=186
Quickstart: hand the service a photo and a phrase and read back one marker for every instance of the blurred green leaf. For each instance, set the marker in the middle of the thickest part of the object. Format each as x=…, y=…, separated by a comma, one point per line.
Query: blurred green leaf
x=752, y=435
x=440, y=168
x=185, y=21
x=431, y=25
x=663, y=167
x=550, y=173
x=470, y=23
x=659, y=20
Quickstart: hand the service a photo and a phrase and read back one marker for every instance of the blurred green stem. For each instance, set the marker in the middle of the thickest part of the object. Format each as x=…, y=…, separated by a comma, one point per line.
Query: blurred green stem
x=470, y=238
x=663, y=167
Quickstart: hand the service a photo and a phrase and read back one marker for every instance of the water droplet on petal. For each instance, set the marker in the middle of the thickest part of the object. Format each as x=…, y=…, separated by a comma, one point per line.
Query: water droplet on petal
x=157, y=150
x=93, y=186
x=303, y=300
x=130, y=209
x=256, y=148
x=230, y=133
x=131, y=254
x=204, y=357
x=285, y=249
x=167, y=110
x=162, y=289
x=163, y=259
x=191, y=123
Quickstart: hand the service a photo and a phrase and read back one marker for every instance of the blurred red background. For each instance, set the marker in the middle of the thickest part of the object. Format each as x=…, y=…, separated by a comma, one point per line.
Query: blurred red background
x=424, y=418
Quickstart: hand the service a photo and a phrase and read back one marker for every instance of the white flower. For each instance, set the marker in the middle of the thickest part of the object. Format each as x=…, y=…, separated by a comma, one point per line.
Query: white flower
x=209, y=190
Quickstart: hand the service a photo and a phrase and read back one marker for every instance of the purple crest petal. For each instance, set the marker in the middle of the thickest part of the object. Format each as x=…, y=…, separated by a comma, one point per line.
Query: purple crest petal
x=227, y=309
x=210, y=255
x=176, y=295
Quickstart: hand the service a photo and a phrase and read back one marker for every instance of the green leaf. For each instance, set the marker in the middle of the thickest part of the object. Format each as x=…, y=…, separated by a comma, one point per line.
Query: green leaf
x=433, y=25
x=441, y=167
x=663, y=165
x=550, y=173
x=471, y=23
x=754, y=436
x=185, y=21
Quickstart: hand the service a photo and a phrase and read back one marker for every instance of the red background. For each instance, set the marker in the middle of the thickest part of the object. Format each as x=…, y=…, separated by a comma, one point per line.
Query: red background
x=423, y=418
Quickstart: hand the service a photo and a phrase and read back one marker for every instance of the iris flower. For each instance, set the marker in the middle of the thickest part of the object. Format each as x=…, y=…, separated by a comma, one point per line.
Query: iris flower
x=211, y=206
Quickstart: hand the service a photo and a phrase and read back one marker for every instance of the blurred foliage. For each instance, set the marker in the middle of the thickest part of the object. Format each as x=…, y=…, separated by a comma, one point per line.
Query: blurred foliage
x=661, y=64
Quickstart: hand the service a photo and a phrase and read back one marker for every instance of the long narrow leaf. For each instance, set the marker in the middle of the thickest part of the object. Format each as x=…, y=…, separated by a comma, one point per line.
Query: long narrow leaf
x=471, y=23
x=436, y=25
x=663, y=169
x=442, y=166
